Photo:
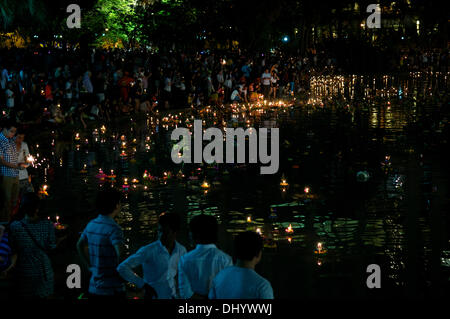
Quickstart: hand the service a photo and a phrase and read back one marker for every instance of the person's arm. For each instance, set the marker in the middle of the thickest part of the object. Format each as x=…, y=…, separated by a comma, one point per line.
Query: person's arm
x=228, y=262
x=212, y=291
x=5, y=272
x=117, y=241
x=184, y=285
x=125, y=269
x=26, y=150
x=51, y=239
x=83, y=252
x=8, y=164
x=266, y=291
x=82, y=121
x=13, y=244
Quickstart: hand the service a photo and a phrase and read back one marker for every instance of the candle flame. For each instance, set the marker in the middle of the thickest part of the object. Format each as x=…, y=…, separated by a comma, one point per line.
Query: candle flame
x=289, y=229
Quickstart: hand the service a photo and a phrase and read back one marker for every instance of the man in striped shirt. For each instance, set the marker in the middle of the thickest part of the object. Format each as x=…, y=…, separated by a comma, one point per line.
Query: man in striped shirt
x=9, y=170
x=101, y=247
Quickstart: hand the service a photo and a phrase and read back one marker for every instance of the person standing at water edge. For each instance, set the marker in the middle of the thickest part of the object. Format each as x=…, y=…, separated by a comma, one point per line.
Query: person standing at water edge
x=23, y=152
x=9, y=170
x=9, y=93
x=30, y=239
x=198, y=268
x=103, y=238
x=159, y=261
x=266, y=79
x=242, y=281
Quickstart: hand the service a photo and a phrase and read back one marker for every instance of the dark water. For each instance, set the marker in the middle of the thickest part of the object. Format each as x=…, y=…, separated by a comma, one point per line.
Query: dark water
x=322, y=229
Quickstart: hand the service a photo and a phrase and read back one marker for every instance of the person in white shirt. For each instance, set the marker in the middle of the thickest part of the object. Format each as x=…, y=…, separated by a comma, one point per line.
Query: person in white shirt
x=9, y=97
x=265, y=79
x=242, y=281
x=23, y=152
x=274, y=86
x=235, y=95
x=4, y=79
x=159, y=261
x=197, y=269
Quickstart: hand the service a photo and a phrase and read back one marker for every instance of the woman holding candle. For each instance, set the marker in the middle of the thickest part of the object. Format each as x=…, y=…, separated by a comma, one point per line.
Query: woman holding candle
x=24, y=156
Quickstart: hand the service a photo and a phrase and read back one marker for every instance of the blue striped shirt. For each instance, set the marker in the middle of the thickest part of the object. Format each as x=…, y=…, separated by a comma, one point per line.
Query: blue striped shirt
x=8, y=152
x=5, y=252
x=101, y=234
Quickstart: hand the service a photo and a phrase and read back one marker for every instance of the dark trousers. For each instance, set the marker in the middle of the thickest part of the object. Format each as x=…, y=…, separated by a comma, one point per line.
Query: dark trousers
x=9, y=193
x=266, y=91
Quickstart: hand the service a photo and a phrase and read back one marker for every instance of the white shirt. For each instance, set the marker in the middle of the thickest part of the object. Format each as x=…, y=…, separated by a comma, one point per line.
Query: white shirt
x=240, y=283
x=234, y=94
x=9, y=98
x=198, y=268
x=266, y=78
x=23, y=152
x=4, y=80
x=220, y=78
x=168, y=85
x=159, y=268
x=68, y=90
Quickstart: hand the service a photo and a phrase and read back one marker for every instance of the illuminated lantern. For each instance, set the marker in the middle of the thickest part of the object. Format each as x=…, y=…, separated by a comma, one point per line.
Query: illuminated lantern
x=112, y=177
x=284, y=182
x=289, y=230
x=205, y=185
x=101, y=176
x=43, y=190
x=125, y=185
x=320, y=249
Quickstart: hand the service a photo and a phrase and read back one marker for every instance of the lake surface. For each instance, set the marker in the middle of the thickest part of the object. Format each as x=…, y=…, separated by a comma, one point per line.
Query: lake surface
x=363, y=179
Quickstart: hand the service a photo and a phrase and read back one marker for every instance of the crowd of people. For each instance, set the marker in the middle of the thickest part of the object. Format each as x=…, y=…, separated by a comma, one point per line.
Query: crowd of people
x=169, y=270
x=60, y=86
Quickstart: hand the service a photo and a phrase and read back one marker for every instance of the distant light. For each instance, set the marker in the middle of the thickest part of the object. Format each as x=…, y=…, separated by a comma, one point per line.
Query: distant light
x=285, y=39
x=403, y=38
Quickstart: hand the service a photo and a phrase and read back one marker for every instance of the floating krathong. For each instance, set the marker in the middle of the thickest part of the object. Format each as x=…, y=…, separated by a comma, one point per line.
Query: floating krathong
x=205, y=185
x=43, y=190
x=289, y=230
x=319, y=249
x=101, y=176
x=125, y=185
x=112, y=176
x=284, y=182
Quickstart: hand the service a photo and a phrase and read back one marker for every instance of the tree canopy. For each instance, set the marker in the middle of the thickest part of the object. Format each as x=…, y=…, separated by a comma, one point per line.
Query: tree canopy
x=254, y=24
